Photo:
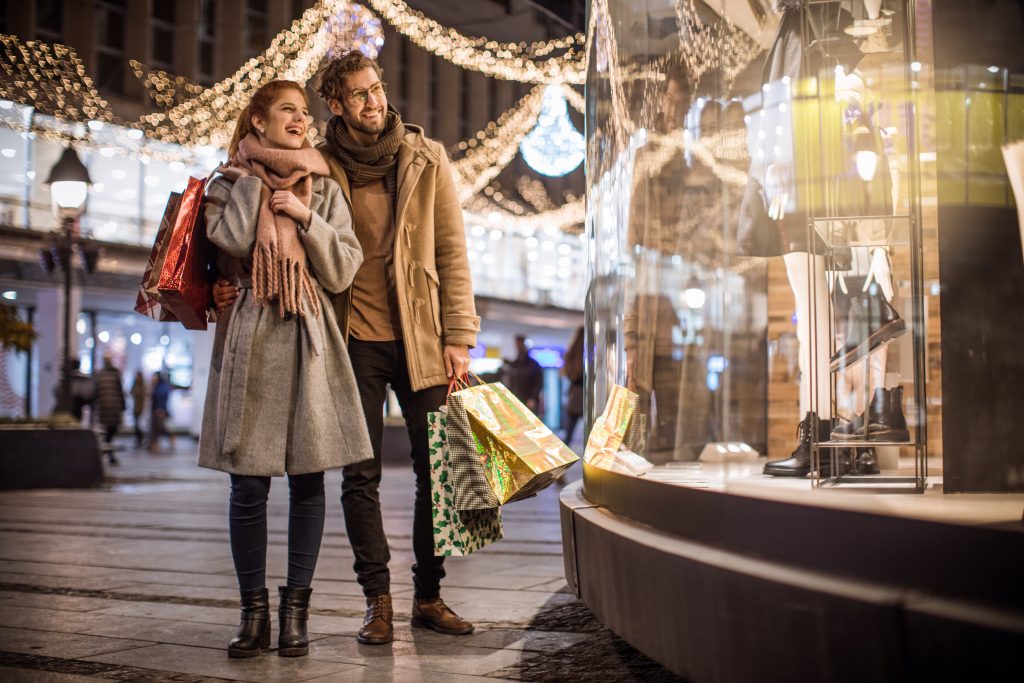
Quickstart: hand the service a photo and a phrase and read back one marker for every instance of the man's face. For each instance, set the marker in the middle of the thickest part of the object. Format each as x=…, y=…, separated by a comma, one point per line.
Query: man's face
x=674, y=105
x=363, y=104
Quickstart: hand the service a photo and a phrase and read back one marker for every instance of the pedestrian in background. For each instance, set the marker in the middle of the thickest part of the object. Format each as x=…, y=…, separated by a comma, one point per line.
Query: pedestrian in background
x=572, y=370
x=138, y=392
x=524, y=376
x=159, y=398
x=110, y=403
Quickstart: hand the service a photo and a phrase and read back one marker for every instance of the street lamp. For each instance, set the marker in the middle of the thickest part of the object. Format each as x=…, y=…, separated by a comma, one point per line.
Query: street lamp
x=69, y=188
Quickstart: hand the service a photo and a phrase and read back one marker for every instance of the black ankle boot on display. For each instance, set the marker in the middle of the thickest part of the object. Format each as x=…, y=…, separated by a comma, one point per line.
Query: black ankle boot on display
x=292, y=639
x=798, y=464
x=866, y=461
x=254, y=630
x=871, y=322
x=882, y=421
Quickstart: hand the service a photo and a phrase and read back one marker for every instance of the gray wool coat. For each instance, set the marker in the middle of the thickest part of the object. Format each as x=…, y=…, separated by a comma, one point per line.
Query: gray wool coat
x=282, y=397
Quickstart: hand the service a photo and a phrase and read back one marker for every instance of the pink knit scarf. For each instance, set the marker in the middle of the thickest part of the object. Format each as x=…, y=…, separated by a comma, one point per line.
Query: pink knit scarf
x=279, y=264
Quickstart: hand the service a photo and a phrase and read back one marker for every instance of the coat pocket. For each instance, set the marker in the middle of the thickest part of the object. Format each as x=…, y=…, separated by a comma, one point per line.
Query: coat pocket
x=434, y=286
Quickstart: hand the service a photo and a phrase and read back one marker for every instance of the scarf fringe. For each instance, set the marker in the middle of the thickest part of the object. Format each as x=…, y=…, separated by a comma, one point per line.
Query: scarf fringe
x=284, y=280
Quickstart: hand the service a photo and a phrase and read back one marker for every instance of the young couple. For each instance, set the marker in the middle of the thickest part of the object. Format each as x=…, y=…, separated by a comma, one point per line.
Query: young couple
x=344, y=271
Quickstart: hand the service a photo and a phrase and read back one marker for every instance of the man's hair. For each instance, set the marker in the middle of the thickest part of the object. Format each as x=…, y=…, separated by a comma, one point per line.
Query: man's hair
x=331, y=81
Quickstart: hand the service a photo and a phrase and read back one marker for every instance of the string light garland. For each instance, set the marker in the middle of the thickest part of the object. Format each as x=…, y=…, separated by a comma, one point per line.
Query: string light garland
x=706, y=47
x=164, y=88
x=508, y=61
x=51, y=79
x=534, y=192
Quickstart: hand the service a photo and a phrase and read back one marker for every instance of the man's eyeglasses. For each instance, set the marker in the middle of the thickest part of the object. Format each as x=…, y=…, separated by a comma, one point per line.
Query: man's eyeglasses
x=362, y=95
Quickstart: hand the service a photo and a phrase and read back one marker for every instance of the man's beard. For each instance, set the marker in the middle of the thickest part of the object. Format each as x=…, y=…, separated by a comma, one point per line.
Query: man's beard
x=358, y=124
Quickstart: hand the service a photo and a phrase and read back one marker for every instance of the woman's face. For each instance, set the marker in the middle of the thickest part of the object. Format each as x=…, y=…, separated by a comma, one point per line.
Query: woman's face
x=287, y=122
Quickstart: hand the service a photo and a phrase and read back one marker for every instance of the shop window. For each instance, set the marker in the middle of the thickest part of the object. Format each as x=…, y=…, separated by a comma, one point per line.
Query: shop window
x=49, y=20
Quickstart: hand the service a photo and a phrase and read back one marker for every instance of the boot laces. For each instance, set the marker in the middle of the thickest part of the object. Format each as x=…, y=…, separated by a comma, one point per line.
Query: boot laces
x=379, y=606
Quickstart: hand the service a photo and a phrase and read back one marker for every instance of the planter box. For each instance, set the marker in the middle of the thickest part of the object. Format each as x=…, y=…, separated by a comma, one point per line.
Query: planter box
x=33, y=457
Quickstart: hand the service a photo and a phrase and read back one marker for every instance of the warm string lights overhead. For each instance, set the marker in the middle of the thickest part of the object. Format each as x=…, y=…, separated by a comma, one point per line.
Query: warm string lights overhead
x=294, y=54
x=521, y=62
x=51, y=79
x=166, y=89
x=706, y=47
x=534, y=192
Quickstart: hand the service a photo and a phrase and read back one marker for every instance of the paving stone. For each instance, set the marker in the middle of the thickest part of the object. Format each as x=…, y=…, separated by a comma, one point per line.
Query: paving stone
x=414, y=654
x=18, y=675
x=62, y=645
x=40, y=619
x=66, y=603
x=382, y=675
x=199, y=660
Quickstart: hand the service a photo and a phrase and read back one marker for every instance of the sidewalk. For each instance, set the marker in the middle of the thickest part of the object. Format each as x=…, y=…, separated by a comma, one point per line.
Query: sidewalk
x=134, y=582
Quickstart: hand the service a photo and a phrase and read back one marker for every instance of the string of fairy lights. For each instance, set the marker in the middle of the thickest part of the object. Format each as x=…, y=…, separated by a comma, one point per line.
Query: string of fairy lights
x=521, y=62
x=52, y=79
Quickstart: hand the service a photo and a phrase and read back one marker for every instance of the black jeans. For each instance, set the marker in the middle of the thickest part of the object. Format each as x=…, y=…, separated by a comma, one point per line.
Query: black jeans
x=376, y=365
x=247, y=524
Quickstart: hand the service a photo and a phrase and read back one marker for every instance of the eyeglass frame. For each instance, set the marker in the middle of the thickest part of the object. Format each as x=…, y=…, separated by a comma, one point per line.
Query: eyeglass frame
x=353, y=97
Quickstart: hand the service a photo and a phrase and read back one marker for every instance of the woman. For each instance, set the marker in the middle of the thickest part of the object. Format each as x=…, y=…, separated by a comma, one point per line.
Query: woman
x=282, y=398
x=159, y=400
x=109, y=403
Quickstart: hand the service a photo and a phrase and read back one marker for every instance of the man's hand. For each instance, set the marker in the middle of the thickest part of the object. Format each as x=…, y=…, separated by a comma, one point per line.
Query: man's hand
x=224, y=294
x=283, y=201
x=456, y=360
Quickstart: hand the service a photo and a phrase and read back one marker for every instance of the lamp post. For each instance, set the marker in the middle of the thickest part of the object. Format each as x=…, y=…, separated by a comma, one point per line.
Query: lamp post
x=69, y=188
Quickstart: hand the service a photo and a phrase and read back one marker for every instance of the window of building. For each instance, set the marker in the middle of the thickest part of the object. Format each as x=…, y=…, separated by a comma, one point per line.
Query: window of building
x=435, y=98
x=110, y=57
x=49, y=19
x=255, y=26
x=464, y=104
x=206, y=37
x=163, y=35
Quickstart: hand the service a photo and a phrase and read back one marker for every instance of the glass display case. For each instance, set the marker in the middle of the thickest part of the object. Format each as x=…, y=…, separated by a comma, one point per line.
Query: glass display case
x=755, y=241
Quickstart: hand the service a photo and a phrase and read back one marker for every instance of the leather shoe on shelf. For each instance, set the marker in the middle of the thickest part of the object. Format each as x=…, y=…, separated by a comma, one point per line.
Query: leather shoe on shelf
x=871, y=322
x=432, y=613
x=798, y=464
x=866, y=461
x=377, y=624
x=882, y=421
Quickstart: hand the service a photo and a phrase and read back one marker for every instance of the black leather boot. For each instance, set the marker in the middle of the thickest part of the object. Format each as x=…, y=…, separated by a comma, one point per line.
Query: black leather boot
x=871, y=322
x=254, y=630
x=882, y=421
x=292, y=640
x=798, y=464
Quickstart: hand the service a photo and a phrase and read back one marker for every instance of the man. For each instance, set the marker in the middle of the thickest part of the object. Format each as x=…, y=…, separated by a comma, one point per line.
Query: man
x=409, y=317
x=524, y=376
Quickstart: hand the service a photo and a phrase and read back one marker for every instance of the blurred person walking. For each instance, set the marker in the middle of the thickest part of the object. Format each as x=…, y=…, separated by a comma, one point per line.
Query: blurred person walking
x=160, y=396
x=138, y=393
x=524, y=376
x=110, y=403
x=572, y=370
x=282, y=397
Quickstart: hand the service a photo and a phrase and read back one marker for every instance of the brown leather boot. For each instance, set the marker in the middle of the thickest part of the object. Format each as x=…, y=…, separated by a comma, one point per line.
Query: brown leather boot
x=377, y=628
x=436, y=615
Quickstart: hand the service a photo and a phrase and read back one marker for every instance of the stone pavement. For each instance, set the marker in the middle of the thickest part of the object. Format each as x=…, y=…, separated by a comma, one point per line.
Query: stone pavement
x=134, y=582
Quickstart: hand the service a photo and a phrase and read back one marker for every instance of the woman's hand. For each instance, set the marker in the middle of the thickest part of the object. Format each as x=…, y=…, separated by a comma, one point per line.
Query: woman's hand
x=283, y=201
x=224, y=294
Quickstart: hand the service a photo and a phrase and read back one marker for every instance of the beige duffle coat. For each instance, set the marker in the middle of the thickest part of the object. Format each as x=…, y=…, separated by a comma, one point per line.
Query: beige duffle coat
x=435, y=288
x=282, y=397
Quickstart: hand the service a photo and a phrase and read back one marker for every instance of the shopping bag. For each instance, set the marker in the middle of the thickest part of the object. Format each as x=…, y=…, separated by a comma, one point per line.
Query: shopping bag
x=456, y=532
x=609, y=429
x=471, y=489
x=520, y=454
x=184, y=286
x=147, y=301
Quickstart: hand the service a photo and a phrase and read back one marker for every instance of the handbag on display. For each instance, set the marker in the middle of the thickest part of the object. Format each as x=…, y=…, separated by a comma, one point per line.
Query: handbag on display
x=184, y=285
x=609, y=430
x=147, y=301
x=520, y=454
x=455, y=532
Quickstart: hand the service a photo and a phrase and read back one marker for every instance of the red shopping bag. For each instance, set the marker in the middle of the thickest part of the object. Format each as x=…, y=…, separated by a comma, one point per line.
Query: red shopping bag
x=147, y=301
x=185, y=275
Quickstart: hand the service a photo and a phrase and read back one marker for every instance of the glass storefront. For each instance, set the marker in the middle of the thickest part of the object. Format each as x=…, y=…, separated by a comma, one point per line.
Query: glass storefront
x=765, y=188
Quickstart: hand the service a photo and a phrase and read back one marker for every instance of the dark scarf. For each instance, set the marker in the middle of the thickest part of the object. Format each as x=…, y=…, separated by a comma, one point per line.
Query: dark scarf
x=364, y=164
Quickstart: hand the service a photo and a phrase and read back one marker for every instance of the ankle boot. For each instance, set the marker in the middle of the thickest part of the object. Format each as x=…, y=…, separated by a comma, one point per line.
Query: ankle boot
x=292, y=639
x=378, y=627
x=254, y=630
x=882, y=421
x=798, y=464
x=871, y=322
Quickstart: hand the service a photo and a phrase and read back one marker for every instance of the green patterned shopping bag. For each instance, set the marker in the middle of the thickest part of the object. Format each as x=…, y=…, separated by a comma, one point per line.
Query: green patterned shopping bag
x=456, y=532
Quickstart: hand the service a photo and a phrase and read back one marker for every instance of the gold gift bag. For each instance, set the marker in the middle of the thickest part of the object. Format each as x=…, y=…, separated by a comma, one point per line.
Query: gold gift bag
x=609, y=430
x=521, y=455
